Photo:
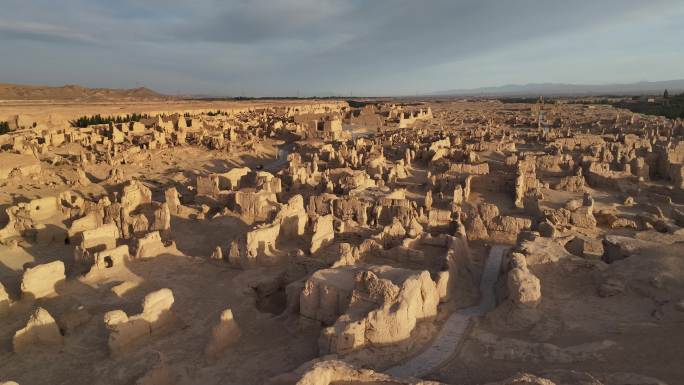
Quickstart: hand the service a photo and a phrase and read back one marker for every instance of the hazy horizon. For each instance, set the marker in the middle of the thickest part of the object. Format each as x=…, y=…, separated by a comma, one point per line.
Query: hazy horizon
x=307, y=47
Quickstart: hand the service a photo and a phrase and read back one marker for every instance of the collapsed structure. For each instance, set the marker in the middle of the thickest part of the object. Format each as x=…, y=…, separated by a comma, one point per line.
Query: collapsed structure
x=353, y=236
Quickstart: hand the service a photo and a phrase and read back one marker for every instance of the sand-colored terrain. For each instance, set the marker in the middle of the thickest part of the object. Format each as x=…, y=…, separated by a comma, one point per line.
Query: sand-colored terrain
x=311, y=242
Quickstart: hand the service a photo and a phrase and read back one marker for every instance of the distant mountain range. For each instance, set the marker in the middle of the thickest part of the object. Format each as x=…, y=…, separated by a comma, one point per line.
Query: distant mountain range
x=75, y=93
x=78, y=93
x=560, y=89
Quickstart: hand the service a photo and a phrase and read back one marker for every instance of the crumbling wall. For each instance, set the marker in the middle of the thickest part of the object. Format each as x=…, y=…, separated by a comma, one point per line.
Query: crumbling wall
x=125, y=331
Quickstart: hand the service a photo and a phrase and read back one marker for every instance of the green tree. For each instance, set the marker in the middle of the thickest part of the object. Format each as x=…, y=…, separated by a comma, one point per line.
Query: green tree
x=666, y=94
x=85, y=121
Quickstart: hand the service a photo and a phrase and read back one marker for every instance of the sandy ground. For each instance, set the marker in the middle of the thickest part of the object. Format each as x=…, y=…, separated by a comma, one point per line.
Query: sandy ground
x=642, y=325
x=46, y=111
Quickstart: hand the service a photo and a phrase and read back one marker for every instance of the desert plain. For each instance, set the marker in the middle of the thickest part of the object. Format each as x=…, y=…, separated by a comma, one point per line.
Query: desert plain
x=331, y=241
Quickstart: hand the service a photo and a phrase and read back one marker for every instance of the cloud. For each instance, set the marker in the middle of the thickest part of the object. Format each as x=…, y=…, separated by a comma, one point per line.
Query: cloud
x=254, y=21
x=373, y=46
x=43, y=32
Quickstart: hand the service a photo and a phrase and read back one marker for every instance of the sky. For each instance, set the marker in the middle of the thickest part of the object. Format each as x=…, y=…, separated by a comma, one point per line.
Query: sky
x=337, y=47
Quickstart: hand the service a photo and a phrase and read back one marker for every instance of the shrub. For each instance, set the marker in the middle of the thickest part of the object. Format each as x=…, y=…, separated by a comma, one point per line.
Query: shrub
x=85, y=121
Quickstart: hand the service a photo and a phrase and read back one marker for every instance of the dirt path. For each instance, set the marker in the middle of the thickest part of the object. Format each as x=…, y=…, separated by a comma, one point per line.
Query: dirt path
x=449, y=338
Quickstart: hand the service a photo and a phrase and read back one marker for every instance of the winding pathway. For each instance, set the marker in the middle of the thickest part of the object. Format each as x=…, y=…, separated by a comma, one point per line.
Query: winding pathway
x=449, y=338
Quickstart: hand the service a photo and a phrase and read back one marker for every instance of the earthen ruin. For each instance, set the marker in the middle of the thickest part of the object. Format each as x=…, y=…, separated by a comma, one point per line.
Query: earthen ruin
x=322, y=242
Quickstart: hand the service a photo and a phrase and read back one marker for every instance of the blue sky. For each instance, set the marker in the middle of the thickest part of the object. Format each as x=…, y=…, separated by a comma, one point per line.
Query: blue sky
x=320, y=47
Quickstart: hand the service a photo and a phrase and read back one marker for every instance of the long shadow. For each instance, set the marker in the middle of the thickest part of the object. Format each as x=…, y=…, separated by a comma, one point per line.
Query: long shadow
x=93, y=179
x=10, y=280
x=218, y=166
x=4, y=218
x=200, y=238
x=16, y=199
x=77, y=309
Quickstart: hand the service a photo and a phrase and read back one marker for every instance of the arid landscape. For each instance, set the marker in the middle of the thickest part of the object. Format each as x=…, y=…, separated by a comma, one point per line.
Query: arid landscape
x=326, y=192
x=334, y=242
